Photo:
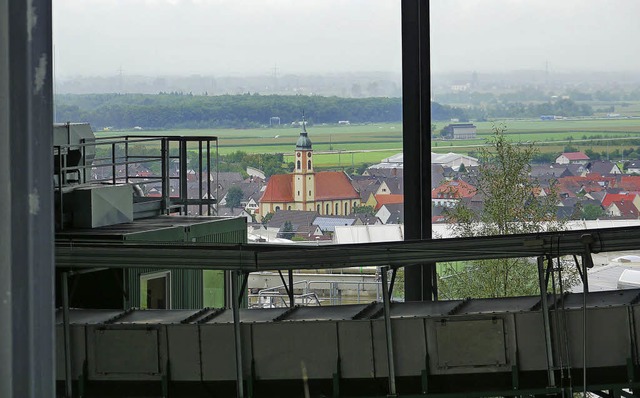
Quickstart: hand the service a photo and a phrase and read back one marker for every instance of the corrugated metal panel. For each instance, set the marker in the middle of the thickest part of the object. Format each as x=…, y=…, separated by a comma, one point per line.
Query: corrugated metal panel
x=224, y=237
x=186, y=287
x=231, y=230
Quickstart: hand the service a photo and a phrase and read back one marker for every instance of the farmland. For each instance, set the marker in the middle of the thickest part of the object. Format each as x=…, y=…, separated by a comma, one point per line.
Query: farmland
x=354, y=145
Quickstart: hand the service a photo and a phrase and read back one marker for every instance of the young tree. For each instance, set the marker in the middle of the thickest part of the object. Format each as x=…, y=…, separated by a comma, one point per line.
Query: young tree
x=511, y=206
x=234, y=196
x=287, y=230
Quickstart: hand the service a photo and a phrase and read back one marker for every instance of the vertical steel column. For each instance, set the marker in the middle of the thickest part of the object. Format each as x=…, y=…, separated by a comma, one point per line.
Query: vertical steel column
x=587, y=262
x=292, y=299
x=68, y=386
x=166, y=181
x=236, y=333
x=6, y=351
x=416, y=113
x=26, y=191
x=387, y=326
x=184, y=195
x=551, y=377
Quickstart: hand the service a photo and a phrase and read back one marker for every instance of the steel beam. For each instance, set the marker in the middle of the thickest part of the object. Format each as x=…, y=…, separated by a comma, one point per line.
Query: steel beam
x=265, y=257
x=26, y=191
x=386, y=300
x=416, y=116
x=6, y=352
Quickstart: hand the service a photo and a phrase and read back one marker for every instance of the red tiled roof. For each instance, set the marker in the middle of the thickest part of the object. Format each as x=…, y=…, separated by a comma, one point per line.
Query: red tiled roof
x=456, y=189
x=389, y=199
x=591, y=183
x=617, y=197
x=279, y=189
x=575, y=156
x=626, y=207
x=629, y=183
x=332, y=185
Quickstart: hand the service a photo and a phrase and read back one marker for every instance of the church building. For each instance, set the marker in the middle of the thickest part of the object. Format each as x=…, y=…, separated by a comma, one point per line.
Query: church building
x=327, y=192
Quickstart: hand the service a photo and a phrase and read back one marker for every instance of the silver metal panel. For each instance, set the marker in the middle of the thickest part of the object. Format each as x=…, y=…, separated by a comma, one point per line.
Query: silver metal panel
x=154, y=317
x=379, y=348
x=608, y=337
x=470, y=343
x=281, y=350
x=97, y=206
x=78, y=352
x=183, y=347
x=356, y=349
x=410, y=346
x=218, y=351
x=125, y=353
x=529, y=329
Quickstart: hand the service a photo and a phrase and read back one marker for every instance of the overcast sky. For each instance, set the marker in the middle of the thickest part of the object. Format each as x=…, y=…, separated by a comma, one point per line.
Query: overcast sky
x=249, y=37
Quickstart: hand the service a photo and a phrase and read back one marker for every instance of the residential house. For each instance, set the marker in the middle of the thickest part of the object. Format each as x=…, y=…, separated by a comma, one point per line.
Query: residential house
x=295, y=217
x=451, y=192
x=633, y=167
x=366, y=186
x=624, y=209
x=390, y=186
x=609, y=198
x=603, y=167
x=628, y=183
x=391, y=213
x=572, y=157
x=381, y=200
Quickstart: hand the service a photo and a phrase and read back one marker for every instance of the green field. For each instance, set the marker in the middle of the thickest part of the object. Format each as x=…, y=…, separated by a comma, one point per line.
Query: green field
x=346, y=146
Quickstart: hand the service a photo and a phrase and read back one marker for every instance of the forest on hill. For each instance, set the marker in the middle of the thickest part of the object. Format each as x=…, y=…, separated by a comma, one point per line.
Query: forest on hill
x=177, y=110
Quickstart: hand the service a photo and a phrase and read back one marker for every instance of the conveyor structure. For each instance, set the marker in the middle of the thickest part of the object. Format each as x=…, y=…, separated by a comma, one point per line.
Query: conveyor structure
x=483, y=347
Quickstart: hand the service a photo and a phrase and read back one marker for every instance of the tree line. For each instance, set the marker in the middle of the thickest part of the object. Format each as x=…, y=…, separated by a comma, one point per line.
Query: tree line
x=178, y=110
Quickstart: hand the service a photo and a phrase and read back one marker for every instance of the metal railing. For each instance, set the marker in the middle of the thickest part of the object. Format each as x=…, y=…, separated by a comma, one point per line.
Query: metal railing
x=312, y=294
x=165, y=161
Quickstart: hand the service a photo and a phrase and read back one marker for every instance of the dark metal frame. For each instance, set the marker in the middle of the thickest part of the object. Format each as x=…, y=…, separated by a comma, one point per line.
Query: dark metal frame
x=421, y=279
x=262, y=257
x=26, y=264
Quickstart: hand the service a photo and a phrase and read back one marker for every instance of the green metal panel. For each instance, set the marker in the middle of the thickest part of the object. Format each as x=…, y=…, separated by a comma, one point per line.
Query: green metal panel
x=213, y=287
x=190, y=289
x=186, y=287
x=171, y=234
x=221, y=230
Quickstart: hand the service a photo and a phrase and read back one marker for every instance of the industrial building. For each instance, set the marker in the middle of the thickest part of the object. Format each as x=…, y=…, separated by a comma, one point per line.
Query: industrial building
x=553, y=344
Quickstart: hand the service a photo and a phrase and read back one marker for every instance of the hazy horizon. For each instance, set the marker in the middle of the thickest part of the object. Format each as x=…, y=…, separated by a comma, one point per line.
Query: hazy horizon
x=289, y=37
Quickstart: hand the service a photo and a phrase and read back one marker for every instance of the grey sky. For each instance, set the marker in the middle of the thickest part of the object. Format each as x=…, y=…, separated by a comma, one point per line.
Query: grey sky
x=240, y=37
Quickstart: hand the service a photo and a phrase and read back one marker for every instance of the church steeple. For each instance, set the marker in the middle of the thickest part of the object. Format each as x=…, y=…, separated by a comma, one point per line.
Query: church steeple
x=304, y=178
x=304, y=143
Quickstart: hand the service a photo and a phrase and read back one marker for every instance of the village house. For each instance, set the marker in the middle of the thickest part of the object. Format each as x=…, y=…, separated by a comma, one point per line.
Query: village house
x=572, y=157
x=624, y=209
x=603, y=167
x=633, y=167
x=450, y=193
